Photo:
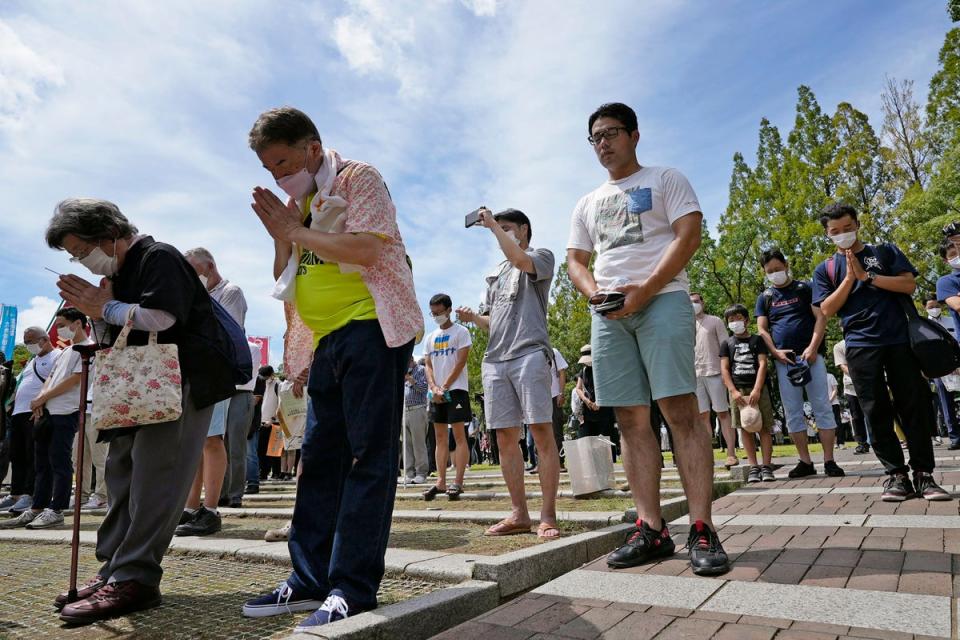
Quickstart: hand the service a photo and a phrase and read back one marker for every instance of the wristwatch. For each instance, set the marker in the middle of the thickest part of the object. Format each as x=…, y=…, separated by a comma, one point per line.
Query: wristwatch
x=871, y=276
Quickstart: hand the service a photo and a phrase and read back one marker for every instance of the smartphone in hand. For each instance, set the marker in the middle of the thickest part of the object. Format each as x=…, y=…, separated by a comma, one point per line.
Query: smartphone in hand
x=603, y=302
x=472, y=218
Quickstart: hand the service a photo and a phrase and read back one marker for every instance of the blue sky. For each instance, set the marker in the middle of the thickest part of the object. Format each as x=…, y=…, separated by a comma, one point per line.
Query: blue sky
x=458, y=103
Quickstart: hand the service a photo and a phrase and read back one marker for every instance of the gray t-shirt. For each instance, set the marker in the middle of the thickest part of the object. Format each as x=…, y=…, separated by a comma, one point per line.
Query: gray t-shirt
x=517, y=305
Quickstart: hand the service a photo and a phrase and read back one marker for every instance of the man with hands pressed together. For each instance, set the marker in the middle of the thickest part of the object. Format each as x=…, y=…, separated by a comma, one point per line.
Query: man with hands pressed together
x=517, y=366
x=354, y=289
x=860, y=284
x=644, y=224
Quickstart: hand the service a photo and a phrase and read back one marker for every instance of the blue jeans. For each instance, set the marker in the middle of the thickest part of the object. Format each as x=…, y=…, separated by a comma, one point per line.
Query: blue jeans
x=817, y=394
x=54, y=464
x=531, y=446
x=350, y=461
x=253, y=460
x=949, y=411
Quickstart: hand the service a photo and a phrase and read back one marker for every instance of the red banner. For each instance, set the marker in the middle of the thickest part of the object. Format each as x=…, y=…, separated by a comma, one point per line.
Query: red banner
x=264, y=343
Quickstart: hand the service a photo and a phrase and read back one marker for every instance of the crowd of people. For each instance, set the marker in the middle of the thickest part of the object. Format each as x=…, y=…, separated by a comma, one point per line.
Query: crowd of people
x=352, y=387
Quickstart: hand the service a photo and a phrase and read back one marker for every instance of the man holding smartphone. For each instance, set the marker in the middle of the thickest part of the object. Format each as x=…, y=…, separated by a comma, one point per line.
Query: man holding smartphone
x=517, y=366
x=644, y=225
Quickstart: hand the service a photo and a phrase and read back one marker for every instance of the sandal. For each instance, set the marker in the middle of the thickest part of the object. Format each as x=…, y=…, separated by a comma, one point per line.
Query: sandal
x=544, y=529
x=453, y=493
x=432, y=493
x=731, y=462
x=507, y=528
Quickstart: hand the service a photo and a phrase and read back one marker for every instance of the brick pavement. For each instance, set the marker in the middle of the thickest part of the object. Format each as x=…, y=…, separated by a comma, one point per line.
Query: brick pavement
x=910, y=569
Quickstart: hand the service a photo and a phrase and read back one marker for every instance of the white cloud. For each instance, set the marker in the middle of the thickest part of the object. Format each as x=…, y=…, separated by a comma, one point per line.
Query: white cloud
x=23, y=75
x=482, y=8
x=38, y=314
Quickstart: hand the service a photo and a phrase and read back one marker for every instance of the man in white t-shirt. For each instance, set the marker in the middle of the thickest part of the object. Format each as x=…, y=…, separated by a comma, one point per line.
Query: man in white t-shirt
x=34, y=374
x=711, y=392
x=446, y=351
x=643, y=225
x=56, y=413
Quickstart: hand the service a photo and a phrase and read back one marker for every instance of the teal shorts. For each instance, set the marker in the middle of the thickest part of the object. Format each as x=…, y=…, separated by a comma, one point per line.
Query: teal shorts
x=648, y=355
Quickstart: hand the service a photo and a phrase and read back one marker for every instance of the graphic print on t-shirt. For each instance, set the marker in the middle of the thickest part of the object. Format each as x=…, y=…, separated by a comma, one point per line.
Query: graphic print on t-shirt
x=618, y=218
x=744, y=362
x=441, y=345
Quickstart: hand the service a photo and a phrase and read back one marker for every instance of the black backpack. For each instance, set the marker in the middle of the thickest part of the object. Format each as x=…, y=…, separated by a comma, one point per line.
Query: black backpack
x=802, y=288
x=937, y=351
x=237, y=351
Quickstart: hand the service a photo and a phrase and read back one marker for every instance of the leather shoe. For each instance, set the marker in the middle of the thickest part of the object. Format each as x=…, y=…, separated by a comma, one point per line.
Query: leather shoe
x=112, y=600
x=204, y=523
x=85, y=590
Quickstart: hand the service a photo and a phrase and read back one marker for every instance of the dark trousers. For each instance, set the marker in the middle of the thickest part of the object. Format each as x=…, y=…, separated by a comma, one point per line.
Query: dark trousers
x=558, y=427
x=21, y=455
x=857, y=420
x=949, y=411
x=911, y=403
x=54, y=464
x=341, y=519
x=239, y=415
x=841, y=425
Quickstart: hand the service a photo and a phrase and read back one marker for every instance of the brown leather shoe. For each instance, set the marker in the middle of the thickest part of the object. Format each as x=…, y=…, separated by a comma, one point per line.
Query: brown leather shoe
x=85, y=590
x=112, y=600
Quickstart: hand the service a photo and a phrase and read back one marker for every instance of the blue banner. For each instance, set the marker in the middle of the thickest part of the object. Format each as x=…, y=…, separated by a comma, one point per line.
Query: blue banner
x=8, y=330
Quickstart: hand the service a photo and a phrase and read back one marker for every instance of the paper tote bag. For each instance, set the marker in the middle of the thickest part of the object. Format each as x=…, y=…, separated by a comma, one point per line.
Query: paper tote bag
x=590, y=464
x=136, y=386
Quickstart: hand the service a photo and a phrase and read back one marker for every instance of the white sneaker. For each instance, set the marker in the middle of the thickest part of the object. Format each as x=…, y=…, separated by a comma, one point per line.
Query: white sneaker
x=278, y=535
x=937, y=440
x=93, y=503
x=21, y=520
x=418, y=480
x=48, y=518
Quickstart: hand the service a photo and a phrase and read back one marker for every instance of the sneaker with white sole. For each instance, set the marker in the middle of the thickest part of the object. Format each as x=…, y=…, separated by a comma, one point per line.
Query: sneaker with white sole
x=25, y=503
x=278, y=535
x=8, y=502
x=418, y=480
x=334, y=608
x=48, y=518
x=21, y=520
x=93, y=503
x=282, y=600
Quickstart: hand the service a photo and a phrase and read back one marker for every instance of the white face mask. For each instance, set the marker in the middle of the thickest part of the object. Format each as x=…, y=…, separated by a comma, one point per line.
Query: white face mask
x=845, y=240
x=99, y=263
x=737, y=326
x=34, y=349
x=934, y=313
x=441, y=320
x=204, y=280
x=954, y=262
x=66, y=333
x=778, y=278
x=697, y=308
x=513, y=236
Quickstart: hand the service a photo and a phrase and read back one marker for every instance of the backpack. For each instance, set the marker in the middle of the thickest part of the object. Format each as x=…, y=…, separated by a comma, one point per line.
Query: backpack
x=937, y=351
x=236, y=350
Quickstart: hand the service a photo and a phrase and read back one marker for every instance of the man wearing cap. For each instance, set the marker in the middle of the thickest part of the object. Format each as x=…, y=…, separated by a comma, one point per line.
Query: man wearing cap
x=643, y=225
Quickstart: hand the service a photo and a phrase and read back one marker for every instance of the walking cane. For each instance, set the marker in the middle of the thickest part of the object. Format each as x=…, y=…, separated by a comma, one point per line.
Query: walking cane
x=86, y=352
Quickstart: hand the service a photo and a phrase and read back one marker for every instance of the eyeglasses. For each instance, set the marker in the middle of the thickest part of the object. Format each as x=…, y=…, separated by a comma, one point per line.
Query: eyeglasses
x=80, y=257
x=605, y=134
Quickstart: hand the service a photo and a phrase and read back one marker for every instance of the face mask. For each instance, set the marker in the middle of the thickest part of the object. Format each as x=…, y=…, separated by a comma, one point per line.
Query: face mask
x=954, y=262
x=99, y=263
x=34, y=349
x=778, y=278
x=298, y=184
x=845, y=240
x=66, y=333
x=697, y=308
x=737, y=326
x=204, y=280
x=513, y=236
x=933, y=313
x=440, y=320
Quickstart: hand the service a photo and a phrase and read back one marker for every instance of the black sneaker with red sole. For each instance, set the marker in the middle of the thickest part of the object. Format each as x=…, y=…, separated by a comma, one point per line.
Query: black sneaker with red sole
x=642, y=545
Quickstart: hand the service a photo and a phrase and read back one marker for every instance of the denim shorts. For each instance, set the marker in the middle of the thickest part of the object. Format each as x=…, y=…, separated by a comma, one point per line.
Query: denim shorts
x=646, y=356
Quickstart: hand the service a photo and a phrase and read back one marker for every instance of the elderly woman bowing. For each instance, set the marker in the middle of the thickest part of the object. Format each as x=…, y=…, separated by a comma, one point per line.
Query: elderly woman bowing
x=149, y=468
